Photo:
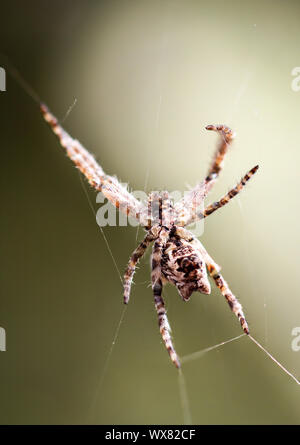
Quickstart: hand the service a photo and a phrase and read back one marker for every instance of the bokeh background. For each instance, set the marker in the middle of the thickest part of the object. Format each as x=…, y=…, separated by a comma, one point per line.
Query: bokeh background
x=148, y=76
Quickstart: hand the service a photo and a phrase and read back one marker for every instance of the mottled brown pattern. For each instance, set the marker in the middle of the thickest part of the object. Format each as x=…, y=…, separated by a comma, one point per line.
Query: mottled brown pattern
x=177, y=256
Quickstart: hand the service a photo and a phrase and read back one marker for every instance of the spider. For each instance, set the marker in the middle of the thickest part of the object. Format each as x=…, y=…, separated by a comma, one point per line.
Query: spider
x=178, y=256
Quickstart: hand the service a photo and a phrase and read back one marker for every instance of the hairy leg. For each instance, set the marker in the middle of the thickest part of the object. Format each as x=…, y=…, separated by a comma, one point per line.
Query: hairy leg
x=188, y=207
x=157, y=286
x=192, y=203
x=226, y=138
x=231, y=194
x=234, y=305
x=108, y=185
x=214, y=271
x=225, y=199
x=134, y=259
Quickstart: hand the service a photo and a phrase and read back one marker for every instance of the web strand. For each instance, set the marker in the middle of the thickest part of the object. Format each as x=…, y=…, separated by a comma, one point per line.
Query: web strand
x=34, y=96
x=116, y=334
x=102, y=232
x=274, y=359
x=198, y=354
x=187, y=418
x=20, y=80
x=69, y=111
x=92, y=410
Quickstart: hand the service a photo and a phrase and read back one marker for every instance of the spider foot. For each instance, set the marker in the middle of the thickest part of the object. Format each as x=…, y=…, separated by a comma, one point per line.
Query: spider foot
x=223, y=130
x=244, y=324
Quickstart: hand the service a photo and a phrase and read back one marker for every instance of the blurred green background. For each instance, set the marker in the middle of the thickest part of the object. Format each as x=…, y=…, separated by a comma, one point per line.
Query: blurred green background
x=148, y=76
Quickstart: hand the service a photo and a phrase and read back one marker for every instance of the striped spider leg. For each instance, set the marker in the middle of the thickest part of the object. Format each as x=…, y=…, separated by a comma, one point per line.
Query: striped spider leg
x=85, y=162
x=177, y=256
x=187, y=206
x=192, y=214
x=214, y=272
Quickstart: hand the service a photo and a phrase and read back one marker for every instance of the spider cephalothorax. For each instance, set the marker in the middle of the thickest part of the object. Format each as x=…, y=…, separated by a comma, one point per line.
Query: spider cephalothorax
x=178, y=256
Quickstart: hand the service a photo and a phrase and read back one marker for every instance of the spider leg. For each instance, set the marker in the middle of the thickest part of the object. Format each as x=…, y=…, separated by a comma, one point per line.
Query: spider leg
x=226, y=138
x=186, y=208
x=234, y=305
x=108, y=185
x=157, y=287
x=225, y=199
x=214, y=271
x=231, y=194
x=134, y=259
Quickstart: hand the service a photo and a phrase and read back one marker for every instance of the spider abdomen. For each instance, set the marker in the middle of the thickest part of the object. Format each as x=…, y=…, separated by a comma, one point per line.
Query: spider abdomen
x=183, y=266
